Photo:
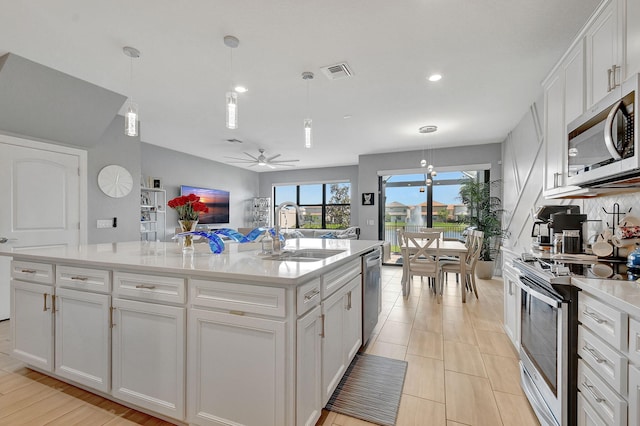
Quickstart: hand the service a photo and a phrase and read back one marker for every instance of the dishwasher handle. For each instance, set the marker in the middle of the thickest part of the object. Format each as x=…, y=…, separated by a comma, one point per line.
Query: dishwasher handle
x=372, y=259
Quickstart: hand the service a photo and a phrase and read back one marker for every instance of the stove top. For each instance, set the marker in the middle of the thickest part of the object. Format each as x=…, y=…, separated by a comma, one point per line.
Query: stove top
x=578, y=265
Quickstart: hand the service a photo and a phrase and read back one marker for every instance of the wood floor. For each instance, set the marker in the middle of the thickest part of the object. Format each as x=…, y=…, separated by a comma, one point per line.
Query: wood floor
x=462, y=368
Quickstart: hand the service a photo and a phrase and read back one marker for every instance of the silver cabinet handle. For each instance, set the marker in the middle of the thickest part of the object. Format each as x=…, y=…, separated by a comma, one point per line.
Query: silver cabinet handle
x=111, y=323
x=150, y=287
x=614, y=70
x=311, y=294
x=594, y=317
x=593, y=392
x=28, y=271
x=79, y=278
x=44, y=308
x=609, y=88
x=510, y=288
x=53, y=303
x=322, y=332
x=594, y=354
x=349, y=301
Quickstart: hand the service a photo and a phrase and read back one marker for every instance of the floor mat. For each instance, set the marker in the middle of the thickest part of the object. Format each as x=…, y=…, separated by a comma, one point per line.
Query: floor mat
x=370, y=389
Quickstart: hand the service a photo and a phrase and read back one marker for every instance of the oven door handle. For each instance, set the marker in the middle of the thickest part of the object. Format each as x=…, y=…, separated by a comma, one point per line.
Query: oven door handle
x=546, y=299
x=608, y=130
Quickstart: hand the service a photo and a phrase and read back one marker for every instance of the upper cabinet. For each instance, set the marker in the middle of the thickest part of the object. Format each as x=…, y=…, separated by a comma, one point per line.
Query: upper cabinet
x=632, y=36
x=604, y=53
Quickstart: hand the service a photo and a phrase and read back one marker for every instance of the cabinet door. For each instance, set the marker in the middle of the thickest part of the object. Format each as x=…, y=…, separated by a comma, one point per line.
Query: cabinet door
x=353, y=319
x=309, y=368
x=333, y=359
x=236, y=369
x=587, y=416
x=634, y=395
x=554, y=132
x=32, y=324
x=632, y=14
x=82, y=338
x=574, y=87
x=149, y=356
x=603, y=41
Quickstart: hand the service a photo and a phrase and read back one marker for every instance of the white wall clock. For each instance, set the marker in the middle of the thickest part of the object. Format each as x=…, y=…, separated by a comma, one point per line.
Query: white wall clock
x=115, y=181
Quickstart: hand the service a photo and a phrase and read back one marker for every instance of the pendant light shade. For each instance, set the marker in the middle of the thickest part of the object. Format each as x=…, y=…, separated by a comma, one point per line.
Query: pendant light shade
x=308, y=137
x=131, y=119
x=232, y=110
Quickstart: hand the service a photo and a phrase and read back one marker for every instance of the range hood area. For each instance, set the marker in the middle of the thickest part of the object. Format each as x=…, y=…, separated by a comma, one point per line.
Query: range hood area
x=44, y=103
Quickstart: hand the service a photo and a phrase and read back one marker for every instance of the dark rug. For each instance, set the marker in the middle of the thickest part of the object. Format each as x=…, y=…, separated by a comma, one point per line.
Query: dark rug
x=370, y=389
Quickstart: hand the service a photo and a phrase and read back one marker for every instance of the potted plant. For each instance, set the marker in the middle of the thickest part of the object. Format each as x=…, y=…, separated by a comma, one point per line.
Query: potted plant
x=484, y=214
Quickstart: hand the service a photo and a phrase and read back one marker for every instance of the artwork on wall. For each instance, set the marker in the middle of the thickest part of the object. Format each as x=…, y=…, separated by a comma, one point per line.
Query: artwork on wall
x=367, y=198
x=155, y=182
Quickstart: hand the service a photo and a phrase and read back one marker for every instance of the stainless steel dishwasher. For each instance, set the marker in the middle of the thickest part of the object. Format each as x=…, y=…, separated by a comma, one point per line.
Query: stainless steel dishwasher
x=371, y=290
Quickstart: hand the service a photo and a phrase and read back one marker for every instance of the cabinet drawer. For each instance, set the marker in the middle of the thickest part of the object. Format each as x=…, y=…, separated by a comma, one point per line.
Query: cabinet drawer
x=634, y=341
x=308, y=296
x=608, y=404
x=83, y=278
x=608, y=363
x=241, y=298
x=31, y=271
x=149, y=287
x=331, y=281
x=604, y=321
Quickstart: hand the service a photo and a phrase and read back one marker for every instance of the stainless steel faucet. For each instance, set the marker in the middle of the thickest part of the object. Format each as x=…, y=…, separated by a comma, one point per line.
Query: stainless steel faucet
x=276, y=244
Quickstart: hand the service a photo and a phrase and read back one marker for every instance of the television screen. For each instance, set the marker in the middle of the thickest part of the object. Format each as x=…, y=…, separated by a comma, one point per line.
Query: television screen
x=215, y=199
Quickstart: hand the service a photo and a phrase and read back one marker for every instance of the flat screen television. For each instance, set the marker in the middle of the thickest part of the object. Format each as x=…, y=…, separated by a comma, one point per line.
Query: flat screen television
x=217, y=201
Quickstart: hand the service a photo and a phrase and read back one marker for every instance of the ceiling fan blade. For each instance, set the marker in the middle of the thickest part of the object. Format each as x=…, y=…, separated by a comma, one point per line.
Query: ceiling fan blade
x=284, y=161
x=251, y=156
x=272, y=158
x=271, y=166
x=239, y=159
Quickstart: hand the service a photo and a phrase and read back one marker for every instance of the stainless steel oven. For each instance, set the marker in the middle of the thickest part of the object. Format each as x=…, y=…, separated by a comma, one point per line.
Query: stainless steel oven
x=548, y=335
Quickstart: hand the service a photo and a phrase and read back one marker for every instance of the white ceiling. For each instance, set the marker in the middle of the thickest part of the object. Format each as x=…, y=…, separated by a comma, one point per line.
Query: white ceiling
x=492, y=54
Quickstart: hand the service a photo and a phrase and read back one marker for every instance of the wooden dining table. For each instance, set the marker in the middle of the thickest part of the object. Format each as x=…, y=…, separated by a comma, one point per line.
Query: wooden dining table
x=447, y=248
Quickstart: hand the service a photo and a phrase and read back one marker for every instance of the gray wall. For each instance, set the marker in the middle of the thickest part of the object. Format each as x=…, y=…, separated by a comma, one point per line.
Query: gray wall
x=321, y=175
x=176, y=168
x=369, y=165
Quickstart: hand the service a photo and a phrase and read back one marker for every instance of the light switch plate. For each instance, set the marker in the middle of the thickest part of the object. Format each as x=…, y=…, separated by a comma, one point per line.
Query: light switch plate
x=104, y=223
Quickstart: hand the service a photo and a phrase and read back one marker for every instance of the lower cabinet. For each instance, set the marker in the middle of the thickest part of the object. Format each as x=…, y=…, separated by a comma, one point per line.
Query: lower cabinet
x=342, y=314
x=32, y=324
x=82, y=338
x=148, y=351
x=587, y=415
x=236, y=370
x=634, y=396
x=309, y=368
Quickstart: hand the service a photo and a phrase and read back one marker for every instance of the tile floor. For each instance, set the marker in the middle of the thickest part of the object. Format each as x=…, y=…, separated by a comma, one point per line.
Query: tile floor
x=462, y=368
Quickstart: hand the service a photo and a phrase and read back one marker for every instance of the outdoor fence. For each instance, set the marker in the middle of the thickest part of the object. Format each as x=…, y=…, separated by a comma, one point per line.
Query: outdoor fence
x=451, y=230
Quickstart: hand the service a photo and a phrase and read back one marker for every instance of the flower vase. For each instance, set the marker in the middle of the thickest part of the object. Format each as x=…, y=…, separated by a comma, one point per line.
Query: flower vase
x=186, y=242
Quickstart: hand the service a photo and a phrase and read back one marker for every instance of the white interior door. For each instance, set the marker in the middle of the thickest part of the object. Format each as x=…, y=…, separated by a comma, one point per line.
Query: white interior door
x=43, y=190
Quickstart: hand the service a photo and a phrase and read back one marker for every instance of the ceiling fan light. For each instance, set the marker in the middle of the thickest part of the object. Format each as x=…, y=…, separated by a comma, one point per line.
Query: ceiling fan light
x=131, y=119
x=423, y=163
x=307, y=133
x=241, y=89
x=232, y=110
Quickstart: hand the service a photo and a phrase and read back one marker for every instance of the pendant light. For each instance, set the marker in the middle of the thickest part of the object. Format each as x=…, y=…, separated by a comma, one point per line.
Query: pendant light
x=307, y=75
x=431, y=172
x=131, y=121
x=231, y=97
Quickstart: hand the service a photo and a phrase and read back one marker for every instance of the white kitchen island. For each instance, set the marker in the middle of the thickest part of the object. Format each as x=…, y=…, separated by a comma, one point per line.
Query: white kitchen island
x=206, y=339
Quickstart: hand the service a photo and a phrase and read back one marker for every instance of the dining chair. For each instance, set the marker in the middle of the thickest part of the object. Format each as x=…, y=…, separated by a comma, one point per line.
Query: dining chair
x=475, y=239
x=422, y=253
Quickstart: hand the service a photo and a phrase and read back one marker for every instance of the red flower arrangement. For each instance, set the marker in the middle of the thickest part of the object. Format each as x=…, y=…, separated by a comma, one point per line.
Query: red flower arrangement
x=188, y=206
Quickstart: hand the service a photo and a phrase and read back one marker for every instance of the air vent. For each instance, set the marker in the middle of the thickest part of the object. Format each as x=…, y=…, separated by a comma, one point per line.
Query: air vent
x=337, y=71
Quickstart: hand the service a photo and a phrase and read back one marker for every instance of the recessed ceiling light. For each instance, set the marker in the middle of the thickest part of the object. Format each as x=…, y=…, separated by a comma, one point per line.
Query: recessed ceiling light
x=347, y=116
x=428, y=129
x=241, y=89
x=435, y=77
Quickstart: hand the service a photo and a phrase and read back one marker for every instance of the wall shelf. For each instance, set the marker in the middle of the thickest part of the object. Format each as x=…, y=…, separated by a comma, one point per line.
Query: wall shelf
x=152, y=214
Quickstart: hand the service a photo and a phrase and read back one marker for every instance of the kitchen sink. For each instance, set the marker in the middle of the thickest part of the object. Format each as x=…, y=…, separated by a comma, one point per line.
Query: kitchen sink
x=303, y=255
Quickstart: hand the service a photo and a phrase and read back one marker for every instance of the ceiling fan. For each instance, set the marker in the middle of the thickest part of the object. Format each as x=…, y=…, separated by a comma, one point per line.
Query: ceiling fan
x=262, y=160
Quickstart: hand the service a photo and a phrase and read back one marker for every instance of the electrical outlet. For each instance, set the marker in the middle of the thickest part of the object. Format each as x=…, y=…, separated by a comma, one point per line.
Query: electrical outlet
x=104, y=223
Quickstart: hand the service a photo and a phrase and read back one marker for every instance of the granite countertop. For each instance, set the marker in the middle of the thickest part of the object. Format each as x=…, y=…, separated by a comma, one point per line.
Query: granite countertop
x=235, y=264
x=624, y=295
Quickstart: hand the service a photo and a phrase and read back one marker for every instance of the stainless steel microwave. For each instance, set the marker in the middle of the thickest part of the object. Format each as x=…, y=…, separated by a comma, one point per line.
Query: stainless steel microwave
x=603, y=142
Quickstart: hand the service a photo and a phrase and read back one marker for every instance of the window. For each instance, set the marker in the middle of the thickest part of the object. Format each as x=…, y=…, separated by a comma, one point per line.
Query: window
x=324, y=205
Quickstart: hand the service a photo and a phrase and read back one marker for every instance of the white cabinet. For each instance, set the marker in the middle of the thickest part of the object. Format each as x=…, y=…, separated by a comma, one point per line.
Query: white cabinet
x=634, y=396
x=32, y=323
x=309, y=367
x=632, y=36
x=563, y=102
x=148, y=351
x=604, y=53
x=341, y=313
x=511, y=304
x=236, y=370
x=153, y=203
x=82, y=351
x=587, y=416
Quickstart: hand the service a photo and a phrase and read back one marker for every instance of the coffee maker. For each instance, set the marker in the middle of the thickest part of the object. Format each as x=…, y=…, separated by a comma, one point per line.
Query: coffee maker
x=544, y=227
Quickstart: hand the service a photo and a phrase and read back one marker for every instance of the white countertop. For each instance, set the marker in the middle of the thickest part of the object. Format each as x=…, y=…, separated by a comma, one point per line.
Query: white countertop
x=624, y=295
x=161, y=257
